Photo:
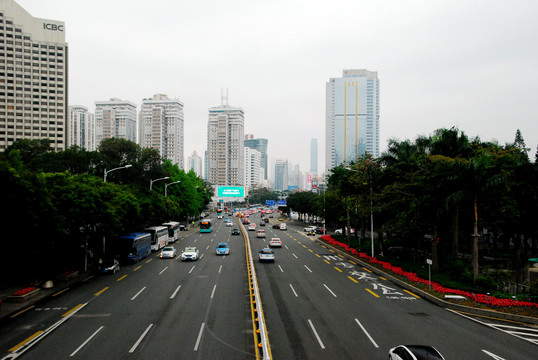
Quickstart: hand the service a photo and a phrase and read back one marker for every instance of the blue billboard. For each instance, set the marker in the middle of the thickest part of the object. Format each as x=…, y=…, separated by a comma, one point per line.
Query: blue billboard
x=281, y=203
x=270, y=202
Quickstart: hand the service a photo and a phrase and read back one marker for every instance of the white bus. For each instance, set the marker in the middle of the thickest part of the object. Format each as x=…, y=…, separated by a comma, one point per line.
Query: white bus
x=159, y=237
x=173, y=231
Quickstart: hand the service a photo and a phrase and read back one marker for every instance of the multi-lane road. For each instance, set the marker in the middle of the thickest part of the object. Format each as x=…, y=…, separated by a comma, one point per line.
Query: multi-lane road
x=316, y=304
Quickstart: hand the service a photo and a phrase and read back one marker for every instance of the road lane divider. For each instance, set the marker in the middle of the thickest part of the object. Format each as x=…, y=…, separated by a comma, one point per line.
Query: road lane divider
x=316, y=334
x=121, y=278
x=87, y=341
x=59, y=292
x=133, y=348
x=412, y=294
x=101, y=291
x=138, y=267
x=26, y=341
x=22, y=311
x=352, y=279
x=373, y=293
x=366, y=332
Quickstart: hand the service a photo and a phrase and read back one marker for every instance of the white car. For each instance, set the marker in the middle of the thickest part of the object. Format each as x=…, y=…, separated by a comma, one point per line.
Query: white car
x=283, y=226
x=168, y=252
x=252, y=227
x=266, y=255
x=190, y=253
x=261, y=234
x=275, y=242
x=308, y=228
x=229, y=223
x=414, y=352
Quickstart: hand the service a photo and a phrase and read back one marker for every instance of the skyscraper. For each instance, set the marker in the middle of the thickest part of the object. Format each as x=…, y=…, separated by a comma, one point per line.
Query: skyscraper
x=161, y=127
x=194, y=162
x=313, y=156
x=253, y=170
x=225, y=148
x=33, y=78
x=260, y=145
x=81, y=128
x=115, y=118
x=281, y=174
x=352, y=117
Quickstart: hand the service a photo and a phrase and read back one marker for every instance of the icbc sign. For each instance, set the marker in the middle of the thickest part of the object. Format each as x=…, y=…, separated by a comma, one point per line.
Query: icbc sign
x=53, y=27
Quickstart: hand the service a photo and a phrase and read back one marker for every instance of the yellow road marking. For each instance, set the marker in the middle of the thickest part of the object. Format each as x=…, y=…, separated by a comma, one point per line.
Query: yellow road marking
x=304, y=246
x=22, y=311
x=75, y=308
x=327, y=261
x=148, y=261
x=88, y=278
x=136, y=268
x=102, y=291
x=354, y=263
x=14, y=348
x=310, y=250
x=331, y=250
x=121, y=278
x=337, y=269
x=366, y=269
x=61, y=291
x=373, y=293
x=382, y=278
x=410, y=293
x=318, y=255
x=353, y=279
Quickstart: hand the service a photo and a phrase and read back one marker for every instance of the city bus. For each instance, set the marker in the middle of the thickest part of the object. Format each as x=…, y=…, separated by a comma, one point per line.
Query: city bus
x=219, y=214
x=159, y=237
x=173, y=231
x=205, y=226
x=133, y=247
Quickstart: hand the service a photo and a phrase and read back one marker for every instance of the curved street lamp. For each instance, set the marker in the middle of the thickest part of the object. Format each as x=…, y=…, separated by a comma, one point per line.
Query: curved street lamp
x=152, y=181
x=118, y=168
x=167, y=185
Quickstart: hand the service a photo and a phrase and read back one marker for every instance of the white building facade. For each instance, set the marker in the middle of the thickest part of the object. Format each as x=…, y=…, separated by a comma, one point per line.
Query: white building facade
x=33, y=78
x=81, y=128
x=352, y=117
x=225, y=149
x=194, y=162
x=161, y=127
x=254, y=173
x=115, y=118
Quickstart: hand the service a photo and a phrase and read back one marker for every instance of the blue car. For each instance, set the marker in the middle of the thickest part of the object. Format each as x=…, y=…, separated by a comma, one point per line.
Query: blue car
x=223, y=249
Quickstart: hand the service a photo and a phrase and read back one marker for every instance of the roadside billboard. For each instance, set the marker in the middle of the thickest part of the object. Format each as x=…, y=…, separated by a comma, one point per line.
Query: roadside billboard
x=230, y=191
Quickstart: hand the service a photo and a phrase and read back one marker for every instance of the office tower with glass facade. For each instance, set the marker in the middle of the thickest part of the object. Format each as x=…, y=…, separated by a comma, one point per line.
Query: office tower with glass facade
x=161, y=127
x=352, y=117
x=225, y=148
x=81, y=128
x=33, y=78
x=253, y=170
x=313, y=156
x=260, y=145
x=115, y=118
x=281, y=174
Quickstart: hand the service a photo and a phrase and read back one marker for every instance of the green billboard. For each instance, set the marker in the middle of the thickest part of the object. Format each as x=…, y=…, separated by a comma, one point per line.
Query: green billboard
x=231, y=191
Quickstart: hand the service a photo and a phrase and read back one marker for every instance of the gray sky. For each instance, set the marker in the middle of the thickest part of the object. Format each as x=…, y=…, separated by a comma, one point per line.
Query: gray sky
x=470, y=64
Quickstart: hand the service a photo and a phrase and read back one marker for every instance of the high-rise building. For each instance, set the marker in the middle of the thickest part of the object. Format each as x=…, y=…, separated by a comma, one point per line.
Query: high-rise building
x=81, y=128
x=161, y=127
x=33, y=78
x=352, y=117
x=253, y=170
x=225, y=148
x=115, y=118
x=281, y=174
x=194, y=162
x=314, y=156
x=260, y=145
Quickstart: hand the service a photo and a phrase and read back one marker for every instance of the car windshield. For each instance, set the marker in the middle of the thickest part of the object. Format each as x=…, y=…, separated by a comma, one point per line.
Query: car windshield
x=424, y=352
x=266, y=252
x=223, y=246
x=190, y=249
x=168, y=249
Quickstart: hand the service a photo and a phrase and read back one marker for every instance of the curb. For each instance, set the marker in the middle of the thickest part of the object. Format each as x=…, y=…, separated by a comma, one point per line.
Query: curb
x=435, y=300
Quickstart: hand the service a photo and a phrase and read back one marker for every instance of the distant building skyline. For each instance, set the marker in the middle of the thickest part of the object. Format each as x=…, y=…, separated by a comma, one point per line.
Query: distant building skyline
x=281, y=174
x=260, y=145
x=81, y=128
x=115, y=118
x=194, y=162
x=314, y=156
x=352, y=117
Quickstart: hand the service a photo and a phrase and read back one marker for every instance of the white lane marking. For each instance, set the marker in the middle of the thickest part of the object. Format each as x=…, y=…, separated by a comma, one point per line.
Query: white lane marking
x=207, y=248
x=220, y=268
x=140, y=339
x=326, y=287
x=192, y=269
x=367, y=334
x=163, y=270
x=295, y=256
x=307, y=268
x=292, y=289
x=496, y=357
x=199, y=337
x=87, y=340
x=201, y=256
x=316, y=334
x=280, y=267
x=175, y=292
x=286, y=246
x=138, y=293
x=213, y=292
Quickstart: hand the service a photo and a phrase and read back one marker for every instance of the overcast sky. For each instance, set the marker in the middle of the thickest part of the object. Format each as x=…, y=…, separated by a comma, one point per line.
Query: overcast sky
x=470, y=64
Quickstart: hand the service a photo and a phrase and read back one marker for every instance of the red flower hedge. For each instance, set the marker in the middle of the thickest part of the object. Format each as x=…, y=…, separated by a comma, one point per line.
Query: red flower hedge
x=480, y=298
x=24, y=291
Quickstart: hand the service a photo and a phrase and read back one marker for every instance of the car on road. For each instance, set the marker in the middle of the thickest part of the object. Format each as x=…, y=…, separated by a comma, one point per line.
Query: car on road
x=219, y=216
x=260, y=234
x=414, y=352
x=168, y=252
x=311, y=232
x=340, y=231
x=280, y=219
x=262, y=223
x=190, y=253
x=252, y=227
x=275, y=242
x=223, y=249
x=321, y=230
x=276, y=226
x=283, y=226
x=308, y=228
x=266, y=255
x=110, y=266
x=235, y=232
x=229, y=223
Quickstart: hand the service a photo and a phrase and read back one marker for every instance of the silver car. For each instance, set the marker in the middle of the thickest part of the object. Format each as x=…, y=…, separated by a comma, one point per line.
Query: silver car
x=414, y=352
x=168, y=252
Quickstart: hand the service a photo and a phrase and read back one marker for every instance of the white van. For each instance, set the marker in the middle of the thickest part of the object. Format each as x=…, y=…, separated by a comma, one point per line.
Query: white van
x=283, y=226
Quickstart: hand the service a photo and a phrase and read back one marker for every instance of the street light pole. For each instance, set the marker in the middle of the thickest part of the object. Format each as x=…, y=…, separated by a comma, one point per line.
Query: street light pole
x=118, y=168
x=152, y=181
x=167, y=185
